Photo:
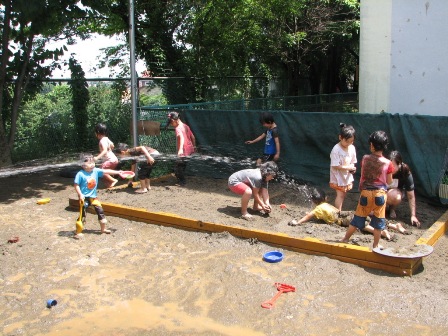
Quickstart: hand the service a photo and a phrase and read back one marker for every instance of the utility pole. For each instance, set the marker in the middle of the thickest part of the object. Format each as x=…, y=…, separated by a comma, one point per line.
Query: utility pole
x=134, y=88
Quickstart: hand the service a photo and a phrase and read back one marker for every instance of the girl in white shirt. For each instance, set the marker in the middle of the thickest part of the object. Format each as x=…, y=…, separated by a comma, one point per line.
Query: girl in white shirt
x=342, y=166
x=109, y=159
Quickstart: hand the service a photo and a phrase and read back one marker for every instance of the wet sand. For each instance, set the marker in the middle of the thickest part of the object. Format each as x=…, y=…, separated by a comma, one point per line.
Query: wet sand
x=147, y=279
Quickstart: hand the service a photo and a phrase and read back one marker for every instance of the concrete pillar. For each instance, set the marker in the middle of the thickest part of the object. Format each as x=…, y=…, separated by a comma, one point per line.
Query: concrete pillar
x=404, y=57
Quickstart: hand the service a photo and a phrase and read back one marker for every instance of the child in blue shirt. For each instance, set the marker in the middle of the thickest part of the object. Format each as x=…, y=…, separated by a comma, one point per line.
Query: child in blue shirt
x=272, y=142
x=86, y=186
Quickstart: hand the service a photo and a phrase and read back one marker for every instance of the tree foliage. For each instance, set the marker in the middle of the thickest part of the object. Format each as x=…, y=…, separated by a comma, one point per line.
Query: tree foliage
x=80, y=100
x=47, y=126
x=313, y=43
x=27, y=26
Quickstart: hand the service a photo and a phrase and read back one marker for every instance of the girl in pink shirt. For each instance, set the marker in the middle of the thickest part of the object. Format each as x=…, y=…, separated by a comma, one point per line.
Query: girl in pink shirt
x=185, y=145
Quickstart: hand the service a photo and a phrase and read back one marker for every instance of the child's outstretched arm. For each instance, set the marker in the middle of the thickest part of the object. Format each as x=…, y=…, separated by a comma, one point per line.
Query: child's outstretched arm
x=309, y=216
x=261, y=199
x=149, y=158
x=261, y=137
x=111, y=171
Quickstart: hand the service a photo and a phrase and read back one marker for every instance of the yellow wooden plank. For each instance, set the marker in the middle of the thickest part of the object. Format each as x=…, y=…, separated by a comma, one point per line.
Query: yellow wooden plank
x=359, y=255
x=436, y=230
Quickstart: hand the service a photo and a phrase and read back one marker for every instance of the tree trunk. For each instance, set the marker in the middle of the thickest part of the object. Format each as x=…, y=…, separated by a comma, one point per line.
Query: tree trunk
x=5, y=151
x=293, y=73
x=5, y=154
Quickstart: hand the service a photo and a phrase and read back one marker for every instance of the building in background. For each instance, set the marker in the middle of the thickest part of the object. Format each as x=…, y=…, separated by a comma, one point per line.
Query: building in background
x=403, y=57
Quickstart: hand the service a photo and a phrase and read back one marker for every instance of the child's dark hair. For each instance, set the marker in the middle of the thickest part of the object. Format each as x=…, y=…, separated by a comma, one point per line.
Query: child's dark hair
x=346, y=131
x=121, y=147
x=403, y=168
x=101, y=129
x=266, y=118
x=318, y=196
x=268, y=168
x=379, y=140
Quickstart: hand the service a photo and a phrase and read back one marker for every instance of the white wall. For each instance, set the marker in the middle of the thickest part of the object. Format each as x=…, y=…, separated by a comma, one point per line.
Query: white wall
x=404, y=57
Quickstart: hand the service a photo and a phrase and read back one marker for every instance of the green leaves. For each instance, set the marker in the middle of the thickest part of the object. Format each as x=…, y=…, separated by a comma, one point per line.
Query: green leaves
x=27, y=27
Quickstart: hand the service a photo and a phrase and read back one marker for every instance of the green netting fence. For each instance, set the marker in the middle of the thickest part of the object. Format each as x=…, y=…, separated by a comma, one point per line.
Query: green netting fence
x=308, y=128
x=307, y=139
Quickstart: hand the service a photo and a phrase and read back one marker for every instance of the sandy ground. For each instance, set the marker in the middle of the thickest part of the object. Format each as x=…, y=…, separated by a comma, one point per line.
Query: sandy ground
x=146, y=279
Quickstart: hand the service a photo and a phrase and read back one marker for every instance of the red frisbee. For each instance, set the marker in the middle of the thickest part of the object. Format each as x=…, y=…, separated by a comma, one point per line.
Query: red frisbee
x=127, y=174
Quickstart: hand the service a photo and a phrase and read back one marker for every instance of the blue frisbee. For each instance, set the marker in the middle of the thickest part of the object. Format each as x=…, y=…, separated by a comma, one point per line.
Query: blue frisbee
x=273, y=256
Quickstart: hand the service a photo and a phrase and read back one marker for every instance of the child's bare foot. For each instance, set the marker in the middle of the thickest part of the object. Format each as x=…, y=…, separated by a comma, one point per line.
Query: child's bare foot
x=264, y=213
x=391, y=237
x=392, y=214
x=247, y=217
x=141, y=191
x=106, y=231
x=78, y=236
x=400, y=228
x=114, y=182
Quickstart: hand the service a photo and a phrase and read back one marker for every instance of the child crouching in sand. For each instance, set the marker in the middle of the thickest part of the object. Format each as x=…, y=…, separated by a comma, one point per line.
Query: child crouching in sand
x=253, y=182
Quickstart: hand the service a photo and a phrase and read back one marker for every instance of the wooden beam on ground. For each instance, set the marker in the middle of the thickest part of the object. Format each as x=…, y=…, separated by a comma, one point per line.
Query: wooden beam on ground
x=358, y=255
x=436, y=230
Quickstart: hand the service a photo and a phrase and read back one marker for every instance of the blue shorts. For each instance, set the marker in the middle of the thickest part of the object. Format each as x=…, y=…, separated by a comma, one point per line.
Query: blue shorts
x=371, y=201
x=376, y=223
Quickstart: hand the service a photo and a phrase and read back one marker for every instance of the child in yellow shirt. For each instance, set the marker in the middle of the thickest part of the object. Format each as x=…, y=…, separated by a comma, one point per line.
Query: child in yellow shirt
x=324, y=211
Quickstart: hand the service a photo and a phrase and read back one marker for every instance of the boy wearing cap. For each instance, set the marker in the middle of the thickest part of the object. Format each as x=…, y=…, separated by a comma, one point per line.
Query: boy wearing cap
x=185, y=145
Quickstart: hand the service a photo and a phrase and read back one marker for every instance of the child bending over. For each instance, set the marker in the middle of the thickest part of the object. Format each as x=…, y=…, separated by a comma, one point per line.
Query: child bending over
x=144, y=168
x=253, y=182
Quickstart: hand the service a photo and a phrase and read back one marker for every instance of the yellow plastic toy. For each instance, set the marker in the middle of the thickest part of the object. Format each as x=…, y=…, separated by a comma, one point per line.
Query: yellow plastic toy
x=79, y=226
x=44, y=201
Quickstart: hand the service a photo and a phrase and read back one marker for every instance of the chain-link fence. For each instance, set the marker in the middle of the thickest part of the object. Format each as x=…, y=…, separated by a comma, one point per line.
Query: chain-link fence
x=47, y=129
